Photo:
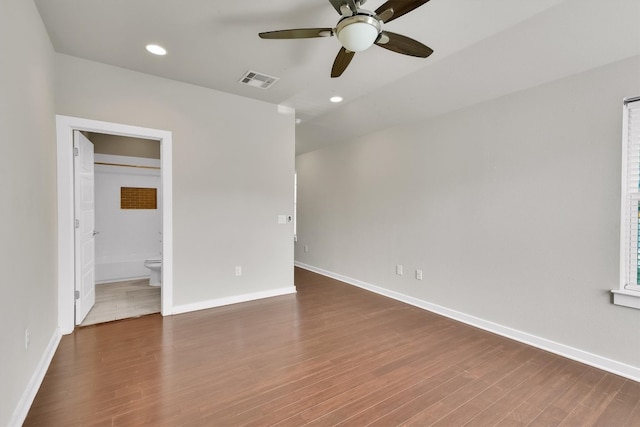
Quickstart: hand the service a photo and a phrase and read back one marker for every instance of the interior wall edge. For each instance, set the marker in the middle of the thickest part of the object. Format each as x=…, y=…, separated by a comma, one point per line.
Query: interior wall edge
x=600, y=362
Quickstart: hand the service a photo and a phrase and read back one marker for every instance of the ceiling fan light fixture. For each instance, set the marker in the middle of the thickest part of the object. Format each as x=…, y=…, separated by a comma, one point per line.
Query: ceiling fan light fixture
x=357, y=33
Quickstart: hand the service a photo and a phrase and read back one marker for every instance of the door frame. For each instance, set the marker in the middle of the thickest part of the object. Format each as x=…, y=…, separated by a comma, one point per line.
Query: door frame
x=65, y=125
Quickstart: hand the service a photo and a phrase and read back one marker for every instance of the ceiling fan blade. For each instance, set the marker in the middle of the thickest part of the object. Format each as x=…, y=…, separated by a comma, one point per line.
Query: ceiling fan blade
x=299, y=33
x=337, y=5
x=342, y=62
x=399, y=7
x=404, y=45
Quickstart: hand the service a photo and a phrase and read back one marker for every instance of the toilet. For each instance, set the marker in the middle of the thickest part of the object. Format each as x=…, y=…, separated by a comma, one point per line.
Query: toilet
x=155, y=265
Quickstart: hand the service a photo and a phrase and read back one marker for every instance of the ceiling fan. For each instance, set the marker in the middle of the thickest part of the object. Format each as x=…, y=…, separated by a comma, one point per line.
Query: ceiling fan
x=359, y=29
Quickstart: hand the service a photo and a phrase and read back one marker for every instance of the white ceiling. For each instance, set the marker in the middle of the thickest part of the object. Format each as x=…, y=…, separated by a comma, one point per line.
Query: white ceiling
x=483, y=49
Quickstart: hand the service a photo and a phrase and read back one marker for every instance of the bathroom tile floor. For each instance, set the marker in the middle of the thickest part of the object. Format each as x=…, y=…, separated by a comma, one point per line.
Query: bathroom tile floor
x=121, y=300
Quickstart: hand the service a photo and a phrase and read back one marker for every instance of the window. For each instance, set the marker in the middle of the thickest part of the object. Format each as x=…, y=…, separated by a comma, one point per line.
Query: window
x=628, y=293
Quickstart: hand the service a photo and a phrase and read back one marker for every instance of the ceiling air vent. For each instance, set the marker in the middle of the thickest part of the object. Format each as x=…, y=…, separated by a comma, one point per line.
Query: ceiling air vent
x=262, y=81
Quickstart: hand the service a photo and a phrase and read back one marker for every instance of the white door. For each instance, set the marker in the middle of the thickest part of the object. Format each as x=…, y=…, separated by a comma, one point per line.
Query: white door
x=84, y=227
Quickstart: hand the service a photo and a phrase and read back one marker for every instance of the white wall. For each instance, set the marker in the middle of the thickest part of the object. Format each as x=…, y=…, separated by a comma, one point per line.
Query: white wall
x=28, y=207
x=511, y=209
x=233, y=165
x=127, y=237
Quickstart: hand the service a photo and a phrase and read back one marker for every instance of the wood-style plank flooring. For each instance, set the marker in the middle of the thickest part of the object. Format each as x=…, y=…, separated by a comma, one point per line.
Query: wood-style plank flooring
x=330, y=355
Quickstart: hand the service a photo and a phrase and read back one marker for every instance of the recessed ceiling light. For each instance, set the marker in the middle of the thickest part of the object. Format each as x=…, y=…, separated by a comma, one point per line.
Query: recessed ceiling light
x=336, y=99
x=156, y=49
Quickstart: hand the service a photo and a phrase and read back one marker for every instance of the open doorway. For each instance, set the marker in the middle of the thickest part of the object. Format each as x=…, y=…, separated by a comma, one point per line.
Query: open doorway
x=127, y=232
x=67, y=284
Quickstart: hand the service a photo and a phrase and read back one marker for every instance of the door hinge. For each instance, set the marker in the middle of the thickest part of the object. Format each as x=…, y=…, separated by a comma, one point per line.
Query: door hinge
x=77, y=223
x=77, y=294
x=76, y=152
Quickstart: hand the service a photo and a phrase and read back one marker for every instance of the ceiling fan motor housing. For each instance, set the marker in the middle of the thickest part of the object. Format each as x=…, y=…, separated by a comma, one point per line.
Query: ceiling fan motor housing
x=359, y=31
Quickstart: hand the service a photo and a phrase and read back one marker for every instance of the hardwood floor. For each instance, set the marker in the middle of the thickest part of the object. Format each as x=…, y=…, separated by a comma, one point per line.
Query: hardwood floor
x=330, y=355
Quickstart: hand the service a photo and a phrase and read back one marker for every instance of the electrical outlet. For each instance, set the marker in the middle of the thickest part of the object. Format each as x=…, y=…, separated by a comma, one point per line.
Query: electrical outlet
x=419, y=274
x=27, y=338
x=399, y=269
x=238, y=270
x=306, y=249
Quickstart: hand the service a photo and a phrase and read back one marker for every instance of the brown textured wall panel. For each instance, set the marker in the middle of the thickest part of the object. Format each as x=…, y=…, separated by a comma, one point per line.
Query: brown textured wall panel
x=138, y=198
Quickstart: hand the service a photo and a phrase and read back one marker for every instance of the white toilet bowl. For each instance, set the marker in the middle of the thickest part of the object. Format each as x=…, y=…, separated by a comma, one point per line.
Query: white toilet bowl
x=155, y=266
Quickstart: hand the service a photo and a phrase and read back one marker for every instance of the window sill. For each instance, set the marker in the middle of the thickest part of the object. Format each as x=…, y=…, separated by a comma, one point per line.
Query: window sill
x=626, y=298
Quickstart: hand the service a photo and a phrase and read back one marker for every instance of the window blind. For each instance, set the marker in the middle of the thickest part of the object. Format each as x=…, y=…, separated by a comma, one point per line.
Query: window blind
x=631, y=193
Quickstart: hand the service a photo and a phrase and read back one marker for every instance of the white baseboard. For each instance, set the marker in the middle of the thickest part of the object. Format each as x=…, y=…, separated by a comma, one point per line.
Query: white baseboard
x=121, y=279
x=203, y=305
x=29, y=394
x=618, y=368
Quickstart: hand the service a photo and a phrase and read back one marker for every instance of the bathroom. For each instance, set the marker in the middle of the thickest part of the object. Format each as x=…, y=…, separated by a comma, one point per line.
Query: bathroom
x=128, y=224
